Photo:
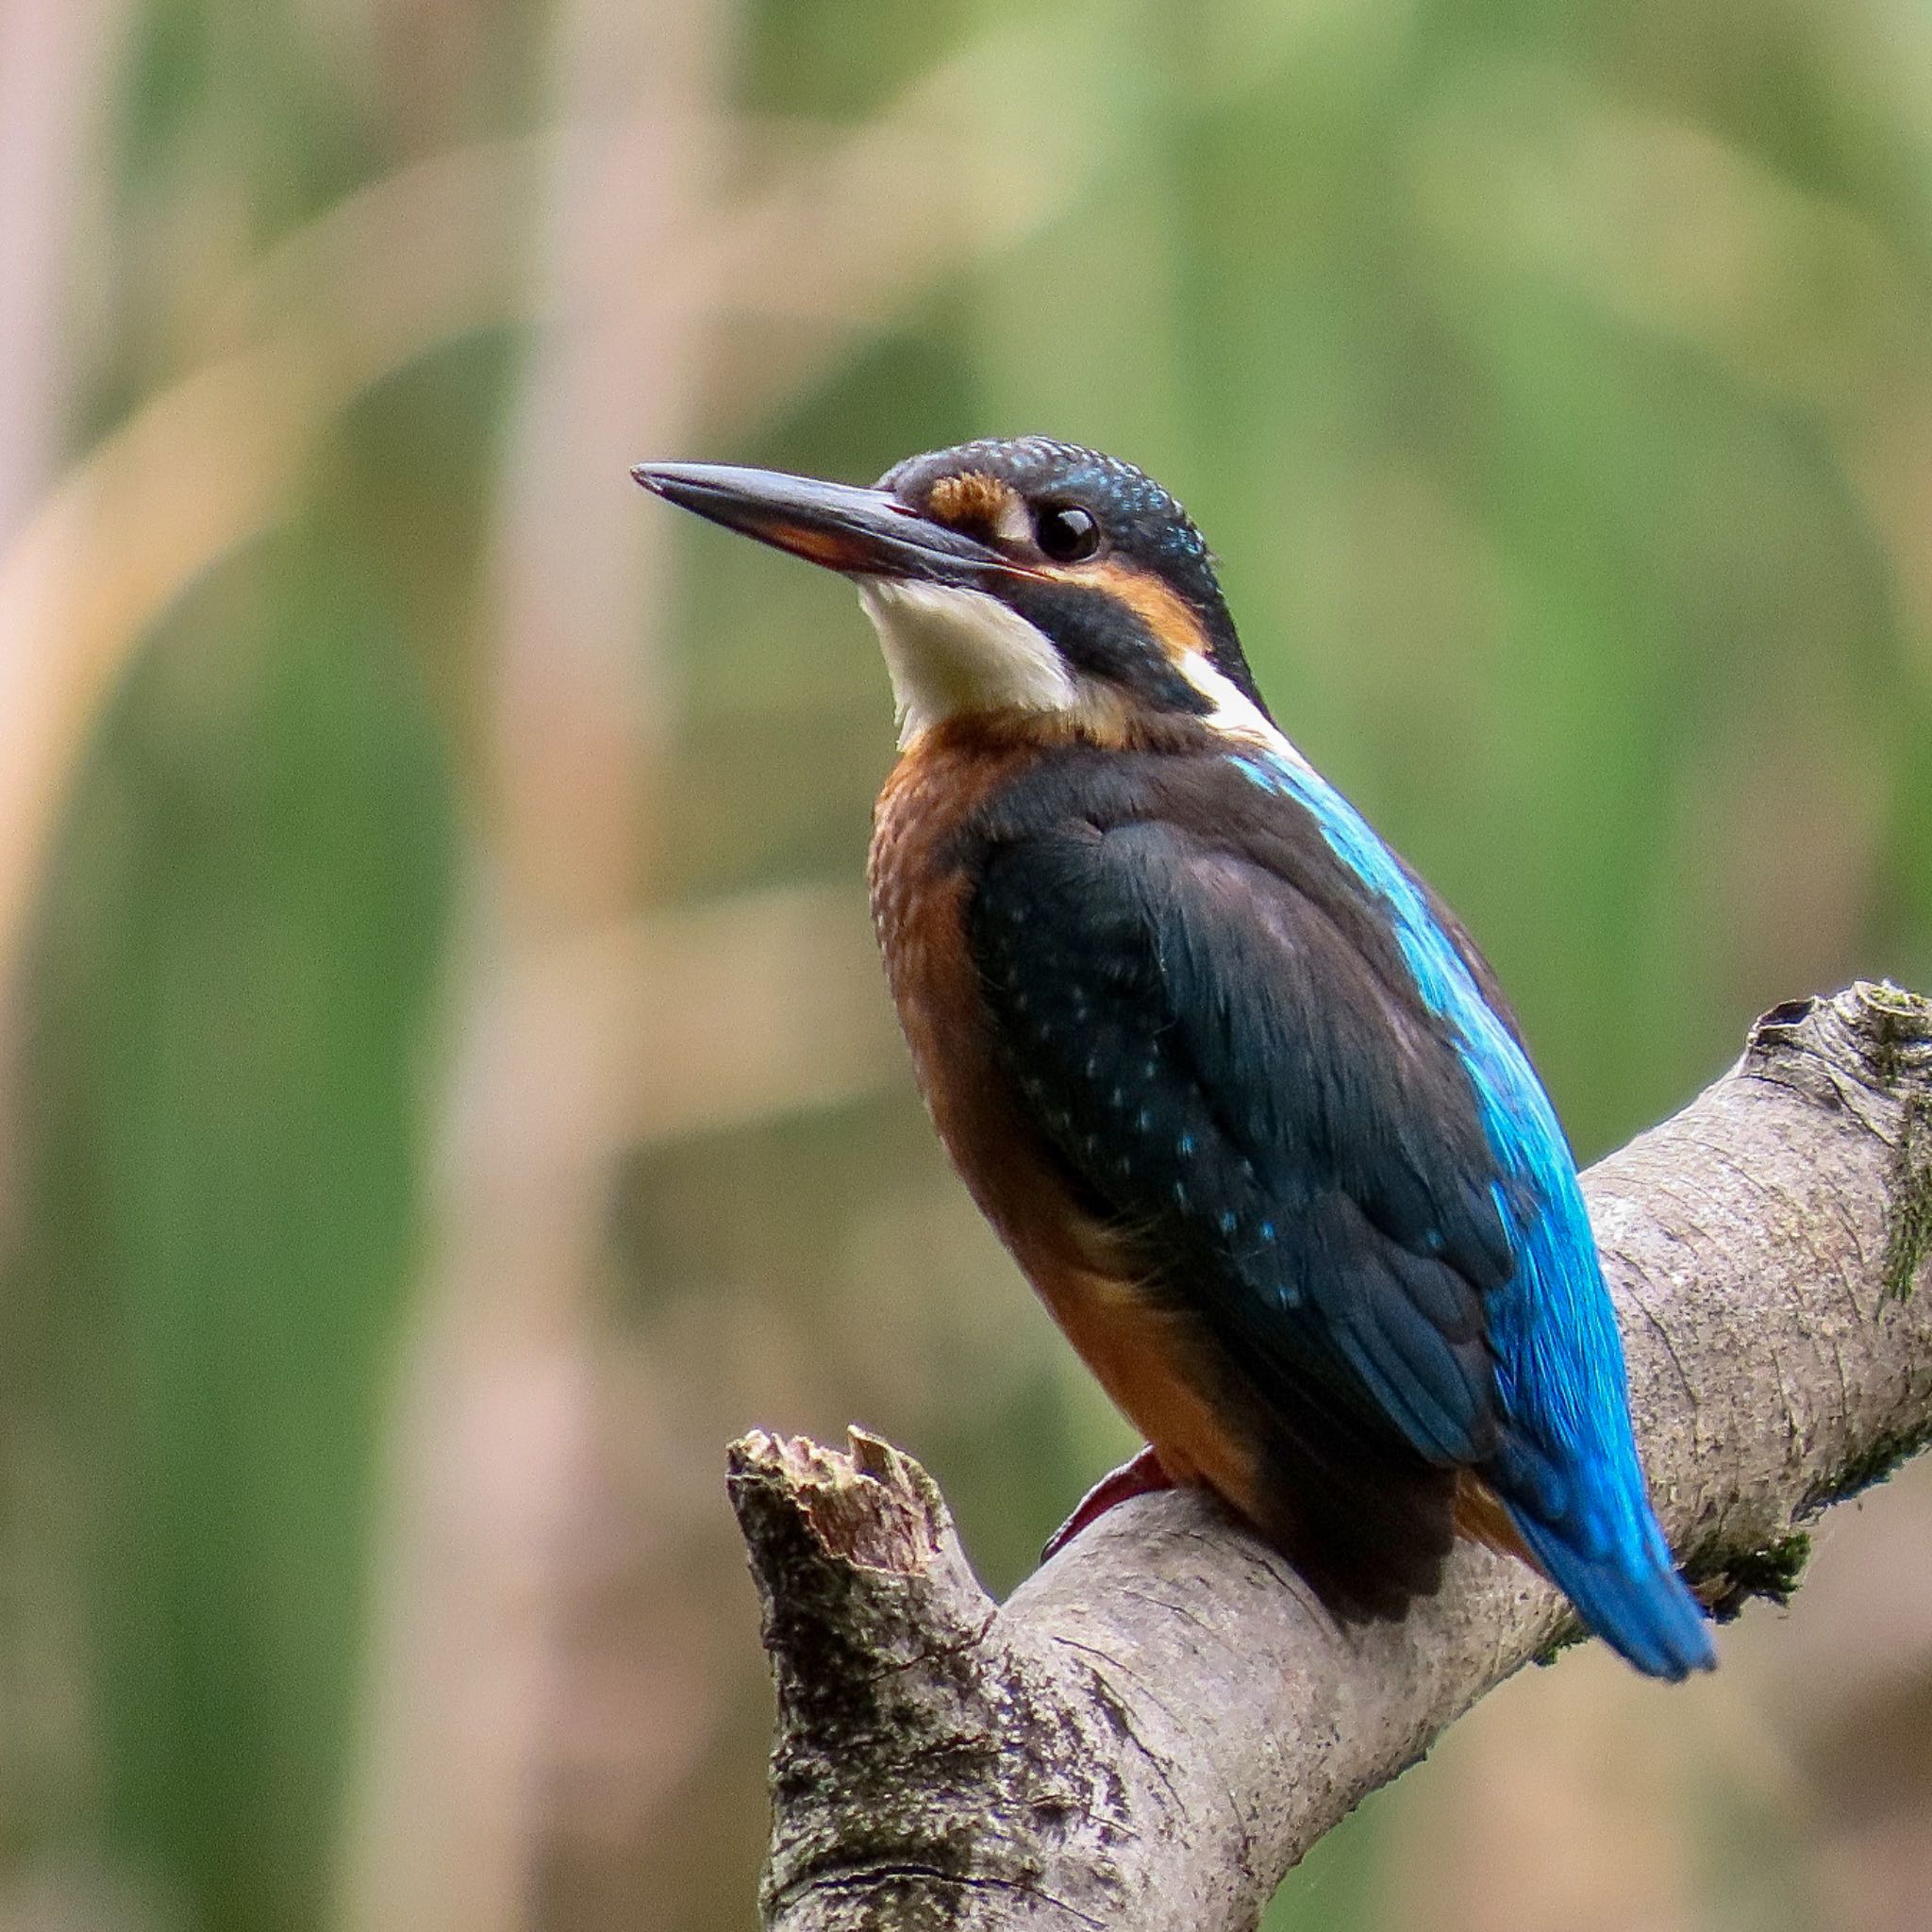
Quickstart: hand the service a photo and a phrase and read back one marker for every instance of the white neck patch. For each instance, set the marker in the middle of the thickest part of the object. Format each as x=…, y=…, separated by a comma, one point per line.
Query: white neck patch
x=951, y=651
x=1236, y=714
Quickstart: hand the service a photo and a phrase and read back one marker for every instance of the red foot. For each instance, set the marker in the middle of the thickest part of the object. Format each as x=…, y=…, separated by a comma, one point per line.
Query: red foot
x=1139, y=1477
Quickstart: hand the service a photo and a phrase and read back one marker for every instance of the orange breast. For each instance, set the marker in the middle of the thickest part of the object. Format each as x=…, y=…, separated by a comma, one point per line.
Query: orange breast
x=1151, y=1362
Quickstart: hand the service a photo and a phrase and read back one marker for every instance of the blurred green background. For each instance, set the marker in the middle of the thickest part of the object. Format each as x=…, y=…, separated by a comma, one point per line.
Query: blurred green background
x=450, y=1088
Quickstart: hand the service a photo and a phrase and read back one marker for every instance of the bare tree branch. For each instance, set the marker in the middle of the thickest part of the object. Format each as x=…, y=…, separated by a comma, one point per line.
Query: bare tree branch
x=1159, y=1723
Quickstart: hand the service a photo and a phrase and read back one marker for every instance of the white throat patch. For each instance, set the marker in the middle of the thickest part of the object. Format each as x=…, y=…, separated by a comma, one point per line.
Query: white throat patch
x=950, y=650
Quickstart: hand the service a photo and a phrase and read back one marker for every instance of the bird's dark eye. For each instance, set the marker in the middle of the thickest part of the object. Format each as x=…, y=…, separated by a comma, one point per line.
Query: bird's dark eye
x=1066, y=532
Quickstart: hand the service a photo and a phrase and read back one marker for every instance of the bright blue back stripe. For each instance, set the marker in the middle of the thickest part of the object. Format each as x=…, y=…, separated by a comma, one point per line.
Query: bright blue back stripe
x=1561, y=1359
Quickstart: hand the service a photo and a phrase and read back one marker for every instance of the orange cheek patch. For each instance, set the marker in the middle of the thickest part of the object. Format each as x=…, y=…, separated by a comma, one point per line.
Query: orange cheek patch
x=1166, y=614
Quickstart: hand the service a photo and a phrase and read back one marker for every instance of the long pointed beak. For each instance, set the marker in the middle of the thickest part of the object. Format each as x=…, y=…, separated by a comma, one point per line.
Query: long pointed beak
x=864, y=533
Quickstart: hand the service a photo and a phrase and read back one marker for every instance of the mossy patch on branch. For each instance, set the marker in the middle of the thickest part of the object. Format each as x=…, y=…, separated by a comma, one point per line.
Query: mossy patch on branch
x=1901, y=1032
x=1900, y=1020
x=1908, y=1223
x=1870, y=1465
x=1771, y=1573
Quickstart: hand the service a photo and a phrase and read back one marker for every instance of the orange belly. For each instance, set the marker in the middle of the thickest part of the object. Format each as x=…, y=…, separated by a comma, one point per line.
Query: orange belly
x=1147, y=1359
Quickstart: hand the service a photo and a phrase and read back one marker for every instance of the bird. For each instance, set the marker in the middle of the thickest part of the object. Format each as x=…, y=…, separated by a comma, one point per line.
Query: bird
x=1235, y=1087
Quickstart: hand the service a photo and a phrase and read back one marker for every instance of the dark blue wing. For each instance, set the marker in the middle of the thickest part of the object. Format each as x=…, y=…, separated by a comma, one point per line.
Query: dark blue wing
x=1373, y=1213
x=1289, y=1135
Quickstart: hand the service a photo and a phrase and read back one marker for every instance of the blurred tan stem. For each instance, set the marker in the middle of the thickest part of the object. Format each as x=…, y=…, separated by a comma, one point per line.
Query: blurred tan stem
x=55, y=62
x=496, y=1423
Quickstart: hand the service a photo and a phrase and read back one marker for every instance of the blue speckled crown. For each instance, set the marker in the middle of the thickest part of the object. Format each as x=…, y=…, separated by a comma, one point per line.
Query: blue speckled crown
x=1142, y=516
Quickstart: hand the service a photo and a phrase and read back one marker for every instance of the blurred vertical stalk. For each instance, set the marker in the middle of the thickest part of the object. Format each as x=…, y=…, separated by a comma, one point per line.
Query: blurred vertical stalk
x=496, y=1427
x=55, y=63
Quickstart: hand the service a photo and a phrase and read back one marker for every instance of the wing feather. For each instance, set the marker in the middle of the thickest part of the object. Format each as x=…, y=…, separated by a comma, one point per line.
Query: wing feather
x=1290, y=1136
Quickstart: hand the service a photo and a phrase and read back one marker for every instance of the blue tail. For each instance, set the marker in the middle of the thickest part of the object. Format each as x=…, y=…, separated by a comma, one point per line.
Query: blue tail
x=1631, y=1597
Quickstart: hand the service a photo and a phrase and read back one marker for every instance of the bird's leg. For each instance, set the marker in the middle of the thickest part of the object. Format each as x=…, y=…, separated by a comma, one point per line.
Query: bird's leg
x=1139, y=1477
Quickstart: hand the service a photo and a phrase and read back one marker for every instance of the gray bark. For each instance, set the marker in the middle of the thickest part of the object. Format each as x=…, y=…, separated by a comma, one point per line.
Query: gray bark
x=1160, y=1722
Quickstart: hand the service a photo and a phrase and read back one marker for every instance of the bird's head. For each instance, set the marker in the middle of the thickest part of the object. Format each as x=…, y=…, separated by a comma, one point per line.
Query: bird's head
x=1016, y=577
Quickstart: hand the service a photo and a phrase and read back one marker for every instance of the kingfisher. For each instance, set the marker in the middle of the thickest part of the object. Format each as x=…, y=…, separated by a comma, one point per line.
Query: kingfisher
x=1232, y=1084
